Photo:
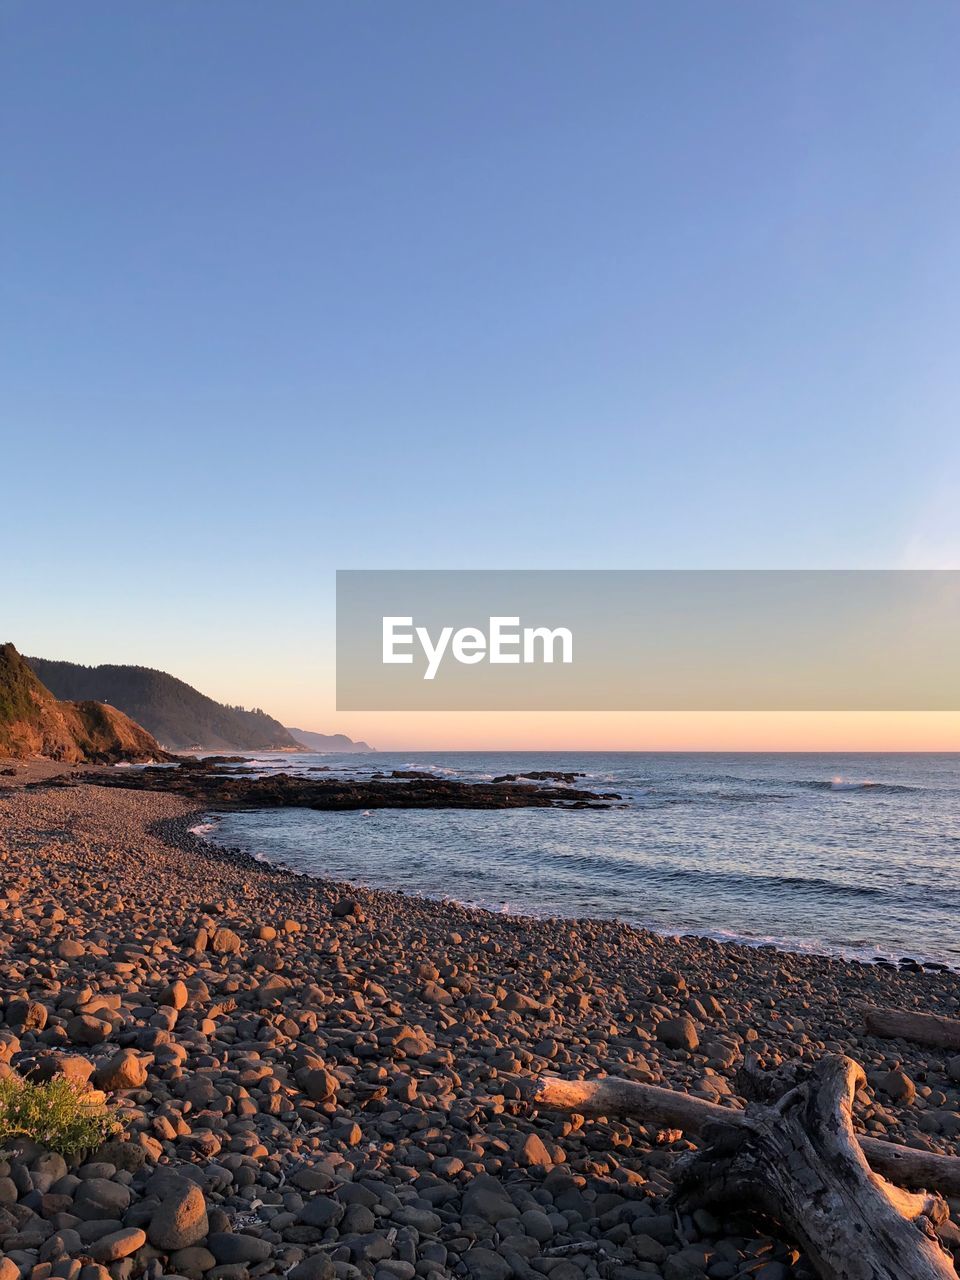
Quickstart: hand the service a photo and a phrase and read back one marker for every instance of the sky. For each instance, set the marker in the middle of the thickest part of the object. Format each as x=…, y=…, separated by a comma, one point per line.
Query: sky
x=292, y=288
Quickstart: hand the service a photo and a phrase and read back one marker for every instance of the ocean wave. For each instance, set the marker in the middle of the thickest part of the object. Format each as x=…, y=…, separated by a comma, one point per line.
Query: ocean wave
x=603, y=869
x=650, y=798
x=853, y=784
x=836, y=783
x=816, y=886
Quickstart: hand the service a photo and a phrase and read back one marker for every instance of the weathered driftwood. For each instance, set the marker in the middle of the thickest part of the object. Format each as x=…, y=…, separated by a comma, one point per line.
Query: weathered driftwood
x=922, y=1028
x=796, y=1159
x=611, y=1097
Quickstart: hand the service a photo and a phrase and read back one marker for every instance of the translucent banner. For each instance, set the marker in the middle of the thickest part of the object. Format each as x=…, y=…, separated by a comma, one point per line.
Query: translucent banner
x=648, y=640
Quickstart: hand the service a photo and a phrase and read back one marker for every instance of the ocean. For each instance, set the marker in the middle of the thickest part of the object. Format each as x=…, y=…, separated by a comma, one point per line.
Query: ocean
x=849, y=854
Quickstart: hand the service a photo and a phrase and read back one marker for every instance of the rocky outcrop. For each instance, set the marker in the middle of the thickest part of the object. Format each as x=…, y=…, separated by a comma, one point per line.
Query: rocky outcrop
x=541, y=775
x=34, y=723
x=225, y=790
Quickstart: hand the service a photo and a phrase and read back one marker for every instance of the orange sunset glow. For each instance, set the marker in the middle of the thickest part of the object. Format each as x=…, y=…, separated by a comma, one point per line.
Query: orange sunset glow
x=662, y=731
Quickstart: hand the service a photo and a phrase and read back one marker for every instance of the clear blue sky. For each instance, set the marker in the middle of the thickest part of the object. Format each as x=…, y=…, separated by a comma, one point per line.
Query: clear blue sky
x=291, y=287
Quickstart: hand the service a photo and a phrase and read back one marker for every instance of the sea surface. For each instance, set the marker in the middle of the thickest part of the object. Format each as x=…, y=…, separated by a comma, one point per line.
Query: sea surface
x=849, y=854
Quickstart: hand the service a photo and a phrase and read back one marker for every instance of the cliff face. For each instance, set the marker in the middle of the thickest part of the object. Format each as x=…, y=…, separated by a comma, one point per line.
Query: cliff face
x=105, y=735
x=34, y=723
x=175, y=713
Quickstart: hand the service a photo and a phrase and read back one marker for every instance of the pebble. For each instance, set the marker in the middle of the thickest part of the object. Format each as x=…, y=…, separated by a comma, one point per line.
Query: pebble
x=317, y=1083
x=117, y=1245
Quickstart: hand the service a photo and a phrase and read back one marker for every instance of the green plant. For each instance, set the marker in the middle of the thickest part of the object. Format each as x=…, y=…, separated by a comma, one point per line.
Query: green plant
x=54, y=1113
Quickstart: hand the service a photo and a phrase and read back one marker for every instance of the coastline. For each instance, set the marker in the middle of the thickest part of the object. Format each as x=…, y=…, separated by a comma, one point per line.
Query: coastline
x=823, y=857
x=208, y=822
x=372, y=1038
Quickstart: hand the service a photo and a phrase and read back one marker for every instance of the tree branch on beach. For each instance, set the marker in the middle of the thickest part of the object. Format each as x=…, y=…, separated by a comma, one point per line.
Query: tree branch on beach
x=793, y=1155
x=921, y=1028
x=610, y=1096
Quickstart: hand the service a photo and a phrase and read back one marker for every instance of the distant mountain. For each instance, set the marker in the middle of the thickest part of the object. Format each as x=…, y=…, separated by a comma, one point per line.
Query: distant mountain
x=338, y=742
x=177, y=715
x=34, y=723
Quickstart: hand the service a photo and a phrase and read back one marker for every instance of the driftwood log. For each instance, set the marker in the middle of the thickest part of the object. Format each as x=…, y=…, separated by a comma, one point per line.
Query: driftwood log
x=793, y=1156
x=921, y=1028
x=906, y=1166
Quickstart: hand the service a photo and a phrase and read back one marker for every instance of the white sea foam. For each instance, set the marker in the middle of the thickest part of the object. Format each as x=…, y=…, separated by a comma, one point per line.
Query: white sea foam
x=203, y=829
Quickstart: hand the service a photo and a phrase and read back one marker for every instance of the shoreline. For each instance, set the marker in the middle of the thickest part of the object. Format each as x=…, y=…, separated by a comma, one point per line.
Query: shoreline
x=39, y=771
x=849, y=953
x=242, y=857
x=348, y=1056
x=835, y=860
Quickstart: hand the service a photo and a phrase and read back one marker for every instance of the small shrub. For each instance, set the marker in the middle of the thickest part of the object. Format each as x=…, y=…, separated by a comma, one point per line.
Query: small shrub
x=55, y=1114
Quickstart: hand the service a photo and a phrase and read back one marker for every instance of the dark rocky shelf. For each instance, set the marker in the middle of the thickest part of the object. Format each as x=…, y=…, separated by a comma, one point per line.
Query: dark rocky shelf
x=215, y=788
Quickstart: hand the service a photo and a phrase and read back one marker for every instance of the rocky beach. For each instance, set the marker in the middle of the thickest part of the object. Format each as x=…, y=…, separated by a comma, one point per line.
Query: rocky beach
x=318, y=1080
